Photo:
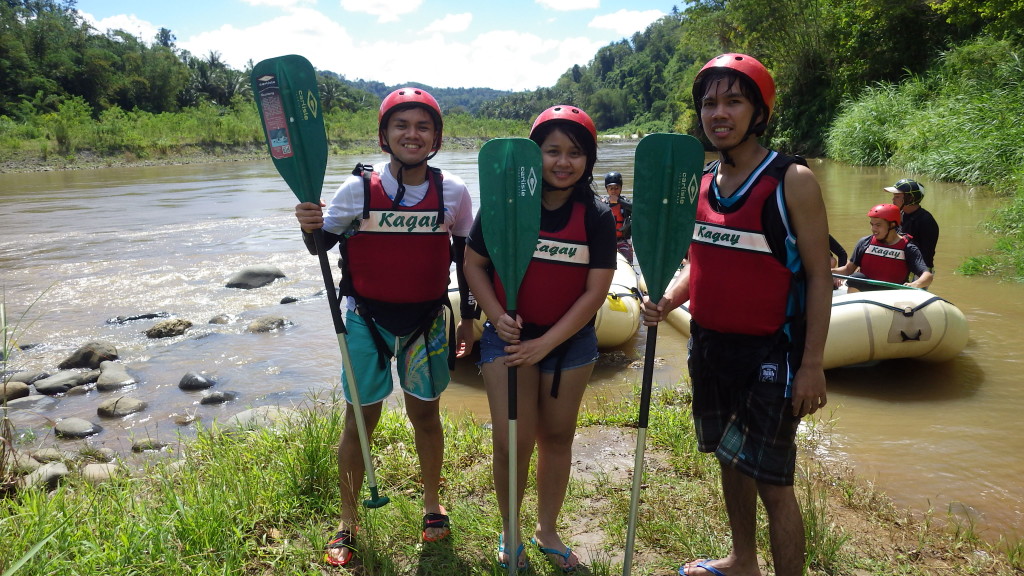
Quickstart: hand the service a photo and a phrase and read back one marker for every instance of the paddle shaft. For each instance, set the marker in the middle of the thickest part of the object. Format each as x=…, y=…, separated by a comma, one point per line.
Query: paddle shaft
x=667, y=171
x=288, y=100
x=510, y=197
x=375, y=501
x=641, y=445
x=513, y=465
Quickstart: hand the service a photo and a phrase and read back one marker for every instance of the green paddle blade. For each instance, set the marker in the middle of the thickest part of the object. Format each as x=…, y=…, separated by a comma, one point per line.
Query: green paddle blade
x=510, y=192
x=666, y=179
x=288, y=100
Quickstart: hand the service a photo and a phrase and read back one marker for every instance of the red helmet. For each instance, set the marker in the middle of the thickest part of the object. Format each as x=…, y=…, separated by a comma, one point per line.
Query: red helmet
x=565, y=112
x=749, y=67
x=405, y=96
x=889, y=212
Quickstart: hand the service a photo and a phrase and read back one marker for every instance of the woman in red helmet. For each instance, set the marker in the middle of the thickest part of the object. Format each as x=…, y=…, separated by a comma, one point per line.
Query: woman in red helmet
x=395, y=276
x=551, y=340
x=885, y=254
x=760, y=294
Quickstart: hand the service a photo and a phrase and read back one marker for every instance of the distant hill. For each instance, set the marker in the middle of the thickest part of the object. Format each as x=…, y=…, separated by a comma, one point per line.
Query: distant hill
x=451, y=99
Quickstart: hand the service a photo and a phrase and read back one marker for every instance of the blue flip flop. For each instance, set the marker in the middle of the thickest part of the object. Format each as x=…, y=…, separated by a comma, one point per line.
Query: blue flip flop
x=563, y=555
x=704, y=564
x=519, y=552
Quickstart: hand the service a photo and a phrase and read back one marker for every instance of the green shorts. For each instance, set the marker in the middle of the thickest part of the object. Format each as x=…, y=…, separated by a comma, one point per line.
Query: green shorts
x=422, y=363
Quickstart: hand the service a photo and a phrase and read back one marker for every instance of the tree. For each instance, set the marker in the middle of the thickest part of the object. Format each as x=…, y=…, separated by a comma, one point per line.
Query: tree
x=1001, y=18
x=165, y=38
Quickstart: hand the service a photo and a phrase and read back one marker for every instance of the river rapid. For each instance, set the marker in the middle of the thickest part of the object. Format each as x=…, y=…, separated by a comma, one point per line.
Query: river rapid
x=81, y=247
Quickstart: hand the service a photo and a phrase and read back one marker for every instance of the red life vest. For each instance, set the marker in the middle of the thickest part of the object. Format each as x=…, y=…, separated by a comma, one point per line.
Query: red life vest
x=886, y=262
x=400, y=254
x=739, y=279
x=620, y=218
x=557, y=275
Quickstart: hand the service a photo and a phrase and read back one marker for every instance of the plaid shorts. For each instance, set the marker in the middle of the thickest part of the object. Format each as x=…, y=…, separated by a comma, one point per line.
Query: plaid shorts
x=741, y=409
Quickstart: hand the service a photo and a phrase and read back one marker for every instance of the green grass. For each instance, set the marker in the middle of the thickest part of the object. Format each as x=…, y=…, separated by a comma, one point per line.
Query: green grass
x=265, y=502
x=137, y=135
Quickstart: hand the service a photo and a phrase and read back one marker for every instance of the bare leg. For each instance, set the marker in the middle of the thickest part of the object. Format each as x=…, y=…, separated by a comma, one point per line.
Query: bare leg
x=426, y=423
x=740, y=494
x=785, y=529
x=556, y=430
x=496, y=382
x=351, y=470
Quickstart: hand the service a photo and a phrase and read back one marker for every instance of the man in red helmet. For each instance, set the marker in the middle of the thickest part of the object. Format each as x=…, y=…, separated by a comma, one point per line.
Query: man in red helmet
x=759, y=289
x=398, y=224
x=885, y=254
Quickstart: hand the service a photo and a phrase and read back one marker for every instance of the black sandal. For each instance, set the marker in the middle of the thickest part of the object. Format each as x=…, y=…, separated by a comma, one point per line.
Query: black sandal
x=436, y=520
x=343, y=539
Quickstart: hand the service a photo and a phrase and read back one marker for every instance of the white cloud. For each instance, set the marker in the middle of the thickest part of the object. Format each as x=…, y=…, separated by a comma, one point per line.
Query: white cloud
x=569, y=5
x=280, y=3
x=626, y=22
x=502, y=59
x=130, y=23
x=327, y=45
x=451, y=23
x=384, y=10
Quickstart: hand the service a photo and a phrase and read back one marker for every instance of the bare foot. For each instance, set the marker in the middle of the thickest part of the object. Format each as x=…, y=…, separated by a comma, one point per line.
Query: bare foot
x=504, y=554
x=341, y=549
x=720, y=567
x=562, y=556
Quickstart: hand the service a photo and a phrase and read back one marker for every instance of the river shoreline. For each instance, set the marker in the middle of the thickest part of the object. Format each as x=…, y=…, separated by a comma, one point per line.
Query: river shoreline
x=22, y=160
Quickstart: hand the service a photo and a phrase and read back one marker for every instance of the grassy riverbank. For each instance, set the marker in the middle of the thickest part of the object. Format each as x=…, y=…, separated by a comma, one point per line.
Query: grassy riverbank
x=72, y=139
x=265, y=503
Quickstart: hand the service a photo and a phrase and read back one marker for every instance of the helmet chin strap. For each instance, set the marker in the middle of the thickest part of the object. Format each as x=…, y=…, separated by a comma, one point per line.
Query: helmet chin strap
x=400, y=195
x=726, y=157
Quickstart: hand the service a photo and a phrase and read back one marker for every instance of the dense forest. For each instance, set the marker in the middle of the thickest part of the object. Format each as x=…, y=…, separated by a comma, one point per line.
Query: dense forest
x=822, y=53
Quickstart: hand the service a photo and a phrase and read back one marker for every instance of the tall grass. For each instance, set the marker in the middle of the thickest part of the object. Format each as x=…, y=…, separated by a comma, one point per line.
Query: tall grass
x=9, y=333
x=960, y=121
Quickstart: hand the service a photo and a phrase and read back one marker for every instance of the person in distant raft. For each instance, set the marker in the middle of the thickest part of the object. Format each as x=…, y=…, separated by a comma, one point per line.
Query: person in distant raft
x=552, y=339
x=885, y=255
x=916, y=222
x=755, y=352
x=398, y=224
x=622, y=210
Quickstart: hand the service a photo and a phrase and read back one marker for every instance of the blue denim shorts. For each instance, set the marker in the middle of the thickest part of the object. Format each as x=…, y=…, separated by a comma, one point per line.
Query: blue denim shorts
x=582, y=349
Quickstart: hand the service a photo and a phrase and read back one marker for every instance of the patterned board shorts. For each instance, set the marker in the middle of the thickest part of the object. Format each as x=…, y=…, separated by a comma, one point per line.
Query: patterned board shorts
x=422, y=364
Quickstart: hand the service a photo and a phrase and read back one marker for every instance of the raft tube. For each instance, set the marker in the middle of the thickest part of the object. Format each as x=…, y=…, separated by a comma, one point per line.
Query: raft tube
x=882, y=325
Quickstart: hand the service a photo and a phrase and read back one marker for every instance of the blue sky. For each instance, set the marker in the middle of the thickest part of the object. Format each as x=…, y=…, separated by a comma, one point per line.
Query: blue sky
x=501, y=44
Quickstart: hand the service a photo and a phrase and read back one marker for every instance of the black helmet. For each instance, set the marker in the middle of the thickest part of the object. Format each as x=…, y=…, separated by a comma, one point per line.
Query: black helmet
x=908, y=186
x=613, y=178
